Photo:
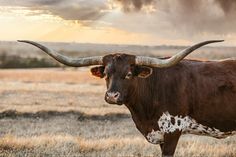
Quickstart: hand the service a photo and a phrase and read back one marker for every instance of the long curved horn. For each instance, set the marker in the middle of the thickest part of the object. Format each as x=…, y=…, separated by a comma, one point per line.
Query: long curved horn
x=74, y=62
x=161, y=63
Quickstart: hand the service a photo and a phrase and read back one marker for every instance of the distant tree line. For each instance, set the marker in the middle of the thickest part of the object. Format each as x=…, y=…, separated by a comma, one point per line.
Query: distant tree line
x=15, y=61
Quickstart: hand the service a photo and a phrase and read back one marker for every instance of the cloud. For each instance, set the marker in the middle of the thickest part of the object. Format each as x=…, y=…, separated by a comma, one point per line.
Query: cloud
x=30, y=3
x=131, y=5
x=213, y=16
x=78, y=12
x=185, y=18
x=168, y=19
x=82, y=10
x=188, y=16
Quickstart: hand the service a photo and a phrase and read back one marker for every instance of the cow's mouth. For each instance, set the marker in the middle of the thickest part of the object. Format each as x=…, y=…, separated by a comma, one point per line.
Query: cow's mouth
x=118, y=102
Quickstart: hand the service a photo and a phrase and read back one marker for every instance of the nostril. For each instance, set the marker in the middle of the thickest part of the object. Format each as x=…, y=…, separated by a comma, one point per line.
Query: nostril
x=116, y=95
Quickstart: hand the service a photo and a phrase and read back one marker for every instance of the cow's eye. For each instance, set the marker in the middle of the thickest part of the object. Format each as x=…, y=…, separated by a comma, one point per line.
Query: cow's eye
x=128, y=76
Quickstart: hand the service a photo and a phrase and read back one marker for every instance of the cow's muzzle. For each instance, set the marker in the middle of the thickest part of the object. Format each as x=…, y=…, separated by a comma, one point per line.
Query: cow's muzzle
x=113, y=98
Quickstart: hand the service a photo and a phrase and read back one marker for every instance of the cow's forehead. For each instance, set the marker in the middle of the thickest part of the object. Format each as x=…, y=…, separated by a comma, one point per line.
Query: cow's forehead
x=118, y=59
x=118, y=63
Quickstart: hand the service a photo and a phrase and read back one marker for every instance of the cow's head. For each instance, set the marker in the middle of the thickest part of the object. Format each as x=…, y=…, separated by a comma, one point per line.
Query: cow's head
x=120, y=69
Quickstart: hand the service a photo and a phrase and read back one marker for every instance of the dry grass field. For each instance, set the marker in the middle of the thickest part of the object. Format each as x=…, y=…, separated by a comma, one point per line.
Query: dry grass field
x=61, y=112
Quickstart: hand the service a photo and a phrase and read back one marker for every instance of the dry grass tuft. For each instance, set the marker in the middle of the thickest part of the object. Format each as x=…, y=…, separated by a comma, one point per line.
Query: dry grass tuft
x=65, y=143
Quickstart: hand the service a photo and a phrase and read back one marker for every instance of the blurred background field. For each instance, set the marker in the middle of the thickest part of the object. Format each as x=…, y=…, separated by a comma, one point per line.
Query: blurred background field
x=54, y=110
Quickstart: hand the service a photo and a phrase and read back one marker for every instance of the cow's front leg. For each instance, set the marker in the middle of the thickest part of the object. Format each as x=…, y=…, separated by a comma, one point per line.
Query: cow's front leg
x=170, y=143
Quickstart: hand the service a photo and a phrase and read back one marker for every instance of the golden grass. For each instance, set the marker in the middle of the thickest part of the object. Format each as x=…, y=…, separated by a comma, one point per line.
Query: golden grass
x=82, y=146
x=54, y=89
x=77, y=144
x=59, y=75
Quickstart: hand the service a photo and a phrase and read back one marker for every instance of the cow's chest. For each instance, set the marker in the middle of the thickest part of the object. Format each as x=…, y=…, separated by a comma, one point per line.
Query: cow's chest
x=169, y=124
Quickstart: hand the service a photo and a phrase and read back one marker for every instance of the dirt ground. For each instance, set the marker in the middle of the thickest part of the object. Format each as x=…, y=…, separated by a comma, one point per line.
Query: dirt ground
x=61, y=112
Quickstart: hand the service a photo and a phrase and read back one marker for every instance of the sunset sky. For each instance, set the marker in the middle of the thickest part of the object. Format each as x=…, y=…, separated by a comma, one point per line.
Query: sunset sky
x=146, y=22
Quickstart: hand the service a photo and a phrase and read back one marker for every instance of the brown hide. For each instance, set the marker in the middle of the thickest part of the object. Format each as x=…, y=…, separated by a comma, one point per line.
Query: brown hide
x=205, y=91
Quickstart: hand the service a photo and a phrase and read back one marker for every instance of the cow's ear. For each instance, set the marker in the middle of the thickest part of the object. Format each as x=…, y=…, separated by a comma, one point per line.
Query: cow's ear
x=98, y=71
x=142, y=71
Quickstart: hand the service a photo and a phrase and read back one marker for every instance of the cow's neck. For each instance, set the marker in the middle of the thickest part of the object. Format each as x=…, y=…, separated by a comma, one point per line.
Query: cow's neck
x=144, y=107
x=153, y=96
x=147, y=97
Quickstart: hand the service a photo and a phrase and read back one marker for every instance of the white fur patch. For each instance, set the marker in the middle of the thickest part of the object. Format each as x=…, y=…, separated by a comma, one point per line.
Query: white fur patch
x=169, y=124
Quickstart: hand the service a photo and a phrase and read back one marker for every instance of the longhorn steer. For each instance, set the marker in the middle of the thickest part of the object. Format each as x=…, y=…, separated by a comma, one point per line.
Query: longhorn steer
x=168, y=97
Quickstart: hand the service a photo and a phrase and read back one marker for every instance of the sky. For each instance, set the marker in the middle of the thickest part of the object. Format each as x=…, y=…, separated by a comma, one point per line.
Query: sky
x=139, y=22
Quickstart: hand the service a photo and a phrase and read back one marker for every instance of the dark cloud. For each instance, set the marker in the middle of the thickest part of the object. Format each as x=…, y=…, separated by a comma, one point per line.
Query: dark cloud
x=188, y=5
x=216, y=16
x=29, y=3
x=129, y=5
x=78, y=12
x=189, y=16
x=67, y=9
x=228, y=6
